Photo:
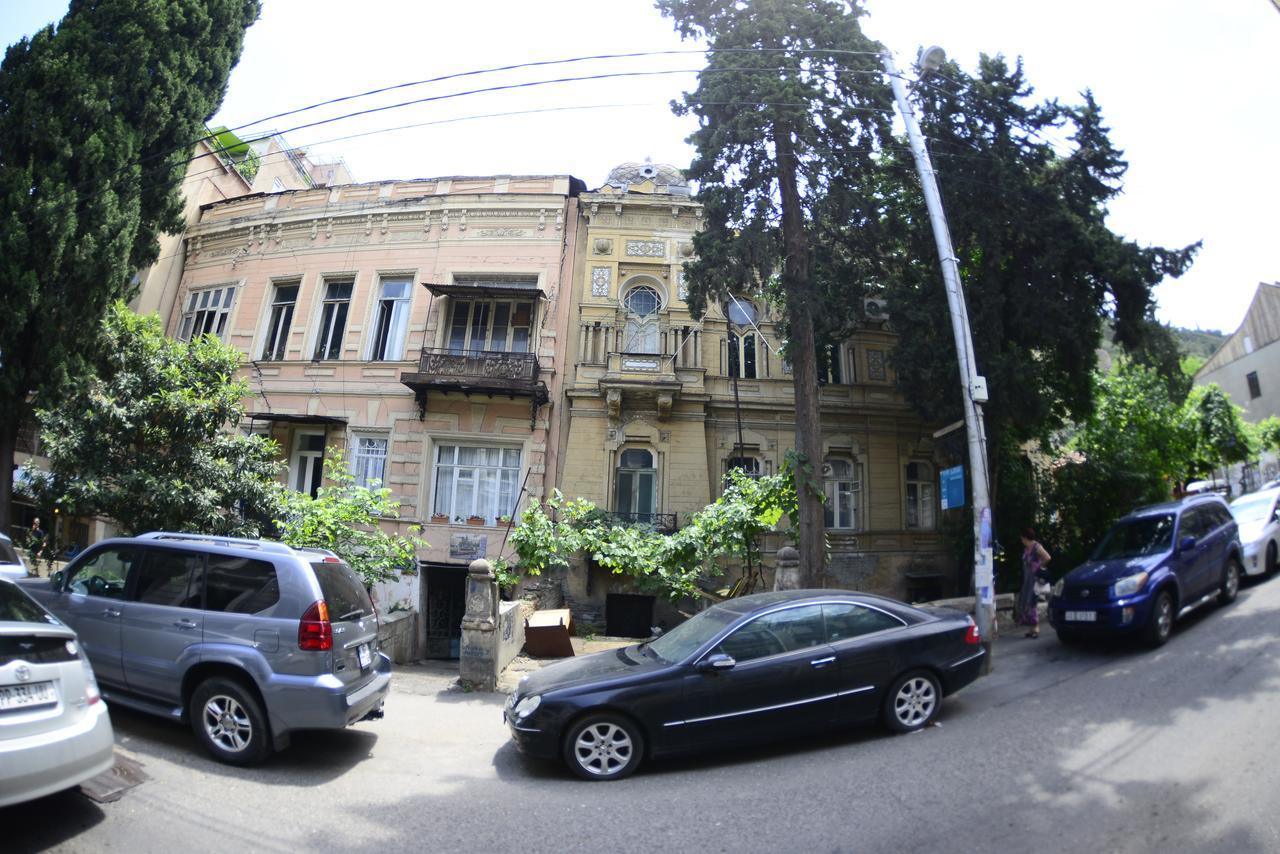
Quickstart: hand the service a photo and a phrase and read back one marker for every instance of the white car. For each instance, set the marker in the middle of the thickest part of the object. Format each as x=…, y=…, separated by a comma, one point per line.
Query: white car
x=11, y=565
x=54, y=728
x=1259, y=522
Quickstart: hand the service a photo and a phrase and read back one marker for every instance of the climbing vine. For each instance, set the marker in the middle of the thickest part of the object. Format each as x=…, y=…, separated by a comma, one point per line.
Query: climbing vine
x=549, y=535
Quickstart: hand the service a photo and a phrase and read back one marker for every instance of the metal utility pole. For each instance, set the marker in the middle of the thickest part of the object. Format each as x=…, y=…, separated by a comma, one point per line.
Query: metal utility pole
x=973, y=388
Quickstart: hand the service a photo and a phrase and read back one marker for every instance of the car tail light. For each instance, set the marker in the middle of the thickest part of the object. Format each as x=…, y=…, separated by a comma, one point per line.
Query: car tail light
x=971, y=635
x=314, y=629
x=91, y=692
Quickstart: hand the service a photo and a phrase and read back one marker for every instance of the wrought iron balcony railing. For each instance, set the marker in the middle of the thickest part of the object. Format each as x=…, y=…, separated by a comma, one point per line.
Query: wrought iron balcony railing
x=441, y=369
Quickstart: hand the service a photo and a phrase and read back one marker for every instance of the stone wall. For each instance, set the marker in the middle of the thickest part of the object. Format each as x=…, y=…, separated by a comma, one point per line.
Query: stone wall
x=511, y=617
x=396, y=634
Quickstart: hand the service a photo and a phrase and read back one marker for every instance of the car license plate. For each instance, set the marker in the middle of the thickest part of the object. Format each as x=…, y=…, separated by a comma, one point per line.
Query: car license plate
x=26, y=696
x=365, y=655
x=1082, y=616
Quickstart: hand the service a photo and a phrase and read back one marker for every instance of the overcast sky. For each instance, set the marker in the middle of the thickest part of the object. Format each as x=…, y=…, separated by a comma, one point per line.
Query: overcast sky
x=1189, y=88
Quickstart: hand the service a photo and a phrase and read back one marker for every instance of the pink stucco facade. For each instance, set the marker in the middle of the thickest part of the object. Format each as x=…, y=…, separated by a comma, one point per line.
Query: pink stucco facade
x=333, y=340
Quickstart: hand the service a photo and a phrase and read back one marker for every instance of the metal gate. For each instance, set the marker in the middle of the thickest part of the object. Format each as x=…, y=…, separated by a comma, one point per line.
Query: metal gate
x=446, y=602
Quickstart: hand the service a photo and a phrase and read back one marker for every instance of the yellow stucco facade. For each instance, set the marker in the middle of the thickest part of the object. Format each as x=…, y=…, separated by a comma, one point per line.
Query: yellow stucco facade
x=651, y=424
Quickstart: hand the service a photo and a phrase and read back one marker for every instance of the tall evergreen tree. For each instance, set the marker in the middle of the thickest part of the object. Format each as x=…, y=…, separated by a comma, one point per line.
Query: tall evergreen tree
x=97, y=120
x=791, y=107
x=1041, y=268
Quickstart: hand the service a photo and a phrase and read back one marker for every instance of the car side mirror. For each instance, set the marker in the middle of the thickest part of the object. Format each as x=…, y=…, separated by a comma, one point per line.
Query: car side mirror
x=1186, y=544
x=716, y=662
x=55, y=581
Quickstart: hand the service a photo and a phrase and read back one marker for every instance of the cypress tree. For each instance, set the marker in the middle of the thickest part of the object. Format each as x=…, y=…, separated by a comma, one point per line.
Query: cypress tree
x=98, y=116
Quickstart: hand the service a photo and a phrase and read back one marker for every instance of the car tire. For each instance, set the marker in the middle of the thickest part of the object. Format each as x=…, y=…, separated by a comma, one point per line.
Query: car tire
x=1230, y=588
x=228, y=719
x=1269, y=568
x=603, y=747
x=1160, y=624
x=912, y=703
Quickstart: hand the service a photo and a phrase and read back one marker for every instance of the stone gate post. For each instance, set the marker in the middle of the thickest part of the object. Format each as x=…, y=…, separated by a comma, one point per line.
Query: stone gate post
x=478, y=655
x=787, y=574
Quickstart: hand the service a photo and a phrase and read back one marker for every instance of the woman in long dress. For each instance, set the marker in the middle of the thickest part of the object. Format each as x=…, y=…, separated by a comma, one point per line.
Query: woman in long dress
x=1034, y=559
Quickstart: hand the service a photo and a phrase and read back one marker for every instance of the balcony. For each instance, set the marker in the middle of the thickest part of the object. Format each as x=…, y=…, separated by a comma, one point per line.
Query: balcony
x=663, y=523
x=470, y=372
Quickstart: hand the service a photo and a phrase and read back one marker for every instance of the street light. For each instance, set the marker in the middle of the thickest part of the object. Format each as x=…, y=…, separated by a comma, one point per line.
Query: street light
x=973, y=388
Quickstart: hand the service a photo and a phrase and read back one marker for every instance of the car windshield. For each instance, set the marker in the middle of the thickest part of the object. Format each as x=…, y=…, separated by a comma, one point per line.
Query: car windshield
x=1147, y=535
x=1251, y=510
x=682, y=641
x=16, y=606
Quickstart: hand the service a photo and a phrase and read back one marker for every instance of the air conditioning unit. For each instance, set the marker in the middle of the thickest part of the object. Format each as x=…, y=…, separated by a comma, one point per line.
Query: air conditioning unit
x=873, y=308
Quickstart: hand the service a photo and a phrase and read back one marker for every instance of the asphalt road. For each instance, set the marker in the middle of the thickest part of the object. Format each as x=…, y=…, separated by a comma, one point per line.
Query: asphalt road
x=1058, y=750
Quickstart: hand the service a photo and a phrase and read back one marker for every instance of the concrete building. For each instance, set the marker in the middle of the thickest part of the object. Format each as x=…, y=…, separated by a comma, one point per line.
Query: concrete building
x=659, y=405
x=416, y=324
x=1247, y=368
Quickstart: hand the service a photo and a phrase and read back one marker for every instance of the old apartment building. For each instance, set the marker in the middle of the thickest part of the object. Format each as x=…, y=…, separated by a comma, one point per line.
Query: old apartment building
x=474, y=342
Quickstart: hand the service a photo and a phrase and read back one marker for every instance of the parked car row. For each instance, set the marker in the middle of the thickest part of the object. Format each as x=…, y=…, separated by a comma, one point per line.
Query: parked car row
x=246, y=641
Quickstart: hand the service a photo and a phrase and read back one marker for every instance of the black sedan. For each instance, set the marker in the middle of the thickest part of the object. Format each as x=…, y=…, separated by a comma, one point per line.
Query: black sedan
x=747, y=670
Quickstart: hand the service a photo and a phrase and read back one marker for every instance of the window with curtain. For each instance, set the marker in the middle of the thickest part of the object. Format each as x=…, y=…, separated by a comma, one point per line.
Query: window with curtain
x=476, y=481
x=499, y=326
x=634, y=491
x=641, y=331
x=391, y=321
x=842, y=483
x=369, y=461
x=333, y=319
x=920, y=496
x=284, y=300
x=207, y=312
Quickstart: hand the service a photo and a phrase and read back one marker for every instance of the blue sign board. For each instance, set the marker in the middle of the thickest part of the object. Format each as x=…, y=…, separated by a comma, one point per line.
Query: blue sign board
x=952, y=487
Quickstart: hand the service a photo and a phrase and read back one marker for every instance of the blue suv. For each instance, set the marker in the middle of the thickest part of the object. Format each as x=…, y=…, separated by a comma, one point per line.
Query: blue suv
x=1153, y=566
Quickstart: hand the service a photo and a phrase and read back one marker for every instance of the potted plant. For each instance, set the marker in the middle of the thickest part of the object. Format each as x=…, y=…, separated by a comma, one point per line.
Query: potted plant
x=475, y=520
x=440, y=519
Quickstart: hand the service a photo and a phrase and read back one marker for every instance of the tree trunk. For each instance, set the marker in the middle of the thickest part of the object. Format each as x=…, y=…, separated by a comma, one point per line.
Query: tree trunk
x=811, y=540
x=8, y=445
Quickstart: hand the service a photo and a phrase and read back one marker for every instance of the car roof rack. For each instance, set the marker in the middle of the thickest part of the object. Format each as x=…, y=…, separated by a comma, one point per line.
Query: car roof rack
x=212, y=539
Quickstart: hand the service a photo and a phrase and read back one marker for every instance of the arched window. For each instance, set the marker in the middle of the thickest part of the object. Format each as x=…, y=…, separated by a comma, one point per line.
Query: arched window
x=920, y=500
x=634, y=489
x=642, y=304
x=842, y=481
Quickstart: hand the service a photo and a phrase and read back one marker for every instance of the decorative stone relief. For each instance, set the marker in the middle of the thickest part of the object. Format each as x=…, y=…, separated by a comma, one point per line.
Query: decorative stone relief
x=462, y=221
x=613, y=402
x=542, y=219
x=315, y=227
x=875, y=365
x=686, y=249
x=647, y=248
x=603, y=246
x=560, y=220
x=664, y=406
x=682, y=290
x=368, y=224
x=503, y=232
x=444, y=221
x=600, y=280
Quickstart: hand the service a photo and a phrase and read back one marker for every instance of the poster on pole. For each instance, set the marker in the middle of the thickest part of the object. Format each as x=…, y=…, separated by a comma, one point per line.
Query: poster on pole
x=951, y=487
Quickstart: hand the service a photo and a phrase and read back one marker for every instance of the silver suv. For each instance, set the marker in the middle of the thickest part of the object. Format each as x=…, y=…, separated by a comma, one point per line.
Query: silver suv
x=246, y=640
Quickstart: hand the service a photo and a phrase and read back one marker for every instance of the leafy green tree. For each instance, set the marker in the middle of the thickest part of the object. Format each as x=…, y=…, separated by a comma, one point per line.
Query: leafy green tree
x=1131, y=449
x=1268, y=434
x=1221, y=437
x=347, y=519
x=97, y=120
x=791, y=107
x=1041, y=268
x=145, y=441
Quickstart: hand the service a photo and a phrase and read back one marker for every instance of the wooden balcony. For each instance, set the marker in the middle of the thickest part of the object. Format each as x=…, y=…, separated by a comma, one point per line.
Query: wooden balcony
x=469, y=372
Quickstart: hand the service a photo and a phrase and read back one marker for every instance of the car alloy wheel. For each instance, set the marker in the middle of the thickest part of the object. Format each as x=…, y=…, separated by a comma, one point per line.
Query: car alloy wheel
x=603, y=747
x=227, y=723
x=1161, y=619
x=227, y=716
x=1230, y=582
x=912, y=702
